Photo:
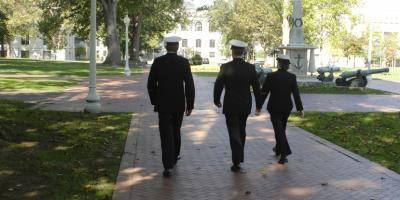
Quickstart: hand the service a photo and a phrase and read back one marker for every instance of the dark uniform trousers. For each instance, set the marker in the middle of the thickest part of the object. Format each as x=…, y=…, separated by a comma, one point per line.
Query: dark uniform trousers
x=236, y=125
x=279, y=121
x=170, y=132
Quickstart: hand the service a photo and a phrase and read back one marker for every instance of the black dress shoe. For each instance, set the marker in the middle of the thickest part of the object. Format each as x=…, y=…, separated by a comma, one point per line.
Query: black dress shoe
x=167, y=172
x=238, y=169
x=274, y=150
x=283, y=160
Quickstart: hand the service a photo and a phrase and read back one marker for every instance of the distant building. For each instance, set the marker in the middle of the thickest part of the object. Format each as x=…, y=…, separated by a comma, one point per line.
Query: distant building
x=197, y=38
x=34, y=48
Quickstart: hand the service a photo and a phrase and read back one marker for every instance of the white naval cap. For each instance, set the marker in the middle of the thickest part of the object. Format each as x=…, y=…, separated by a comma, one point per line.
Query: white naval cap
x=237, y=44
x=283, y=57
x=172, y=39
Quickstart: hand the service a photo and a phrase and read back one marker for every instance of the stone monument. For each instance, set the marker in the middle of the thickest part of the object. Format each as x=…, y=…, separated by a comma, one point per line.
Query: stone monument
x=301, y=61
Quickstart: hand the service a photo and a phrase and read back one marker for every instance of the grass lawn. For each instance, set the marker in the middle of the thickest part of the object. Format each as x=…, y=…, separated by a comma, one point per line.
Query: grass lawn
x=392, y=75
x=33, y=85
x=205, y=70
x=51, y=155
x=57, y=68
x=332, y=89
x=375, y=136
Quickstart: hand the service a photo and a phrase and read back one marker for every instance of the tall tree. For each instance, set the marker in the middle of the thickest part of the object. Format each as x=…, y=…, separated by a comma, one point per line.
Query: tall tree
x=4, y=34
x=253, y=21
x=76, y=14
x=21, y=18
x=391, y=47
x=150, y=19
x=112, y=38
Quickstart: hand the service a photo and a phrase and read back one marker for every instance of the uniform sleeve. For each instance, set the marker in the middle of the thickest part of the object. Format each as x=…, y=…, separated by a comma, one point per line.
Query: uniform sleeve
x=189, y=87
x=266, y=88
x=296, y=95
x=219, y=85
x=255, y=84
x=152, y=83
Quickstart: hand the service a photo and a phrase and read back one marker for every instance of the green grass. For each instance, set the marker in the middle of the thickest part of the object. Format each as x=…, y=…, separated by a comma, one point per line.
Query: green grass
x=33, y=85
x=392, y=75
x=375, y=136
x=57, y=68
x=51, y=155
x=207, y=74
x=332, y=89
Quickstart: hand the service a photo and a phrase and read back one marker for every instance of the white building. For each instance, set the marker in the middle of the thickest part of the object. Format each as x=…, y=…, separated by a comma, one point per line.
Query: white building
x=34, y=48
x=197, y=38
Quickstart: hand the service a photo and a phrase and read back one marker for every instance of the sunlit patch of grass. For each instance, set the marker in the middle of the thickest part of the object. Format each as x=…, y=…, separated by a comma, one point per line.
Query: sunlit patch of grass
x=55, y=154
x=375, y=136
x=31, y=84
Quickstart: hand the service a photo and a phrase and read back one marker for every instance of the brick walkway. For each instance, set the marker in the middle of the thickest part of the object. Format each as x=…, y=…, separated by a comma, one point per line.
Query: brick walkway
x=317, y=169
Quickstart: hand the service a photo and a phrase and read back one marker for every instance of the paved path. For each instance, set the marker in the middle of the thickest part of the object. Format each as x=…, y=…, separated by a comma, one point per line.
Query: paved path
x=316, y=170
x=390, y=86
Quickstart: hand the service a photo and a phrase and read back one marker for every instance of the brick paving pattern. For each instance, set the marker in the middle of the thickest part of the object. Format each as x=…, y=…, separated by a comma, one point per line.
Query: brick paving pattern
x=317, y=169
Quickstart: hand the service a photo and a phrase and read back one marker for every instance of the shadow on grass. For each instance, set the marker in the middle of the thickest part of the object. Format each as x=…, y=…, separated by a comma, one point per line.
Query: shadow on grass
x=375, y=136
x=59, y=155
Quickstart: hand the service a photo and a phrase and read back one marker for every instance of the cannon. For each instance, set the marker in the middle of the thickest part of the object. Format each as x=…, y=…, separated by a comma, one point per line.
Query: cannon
x=322, y=70
x=262, y=73
x=357, y=78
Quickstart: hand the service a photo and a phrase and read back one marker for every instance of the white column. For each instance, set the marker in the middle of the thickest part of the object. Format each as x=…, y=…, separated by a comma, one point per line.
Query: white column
x=93, y=100
x=311, y=64
x=127, y=71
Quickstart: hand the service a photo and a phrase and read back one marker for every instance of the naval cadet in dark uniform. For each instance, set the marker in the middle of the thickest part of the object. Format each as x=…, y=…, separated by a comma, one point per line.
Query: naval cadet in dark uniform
x=171, y=90
x=236, y=77
x=281, y=84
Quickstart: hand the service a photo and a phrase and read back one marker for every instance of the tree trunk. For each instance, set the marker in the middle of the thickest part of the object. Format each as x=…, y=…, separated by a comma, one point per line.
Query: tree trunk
x=354, y=61
x=2, y=54
x=112, y=39
x=137, y=32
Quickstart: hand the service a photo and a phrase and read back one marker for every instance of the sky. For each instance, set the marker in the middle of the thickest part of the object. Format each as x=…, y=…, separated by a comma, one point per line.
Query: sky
x=368, y=7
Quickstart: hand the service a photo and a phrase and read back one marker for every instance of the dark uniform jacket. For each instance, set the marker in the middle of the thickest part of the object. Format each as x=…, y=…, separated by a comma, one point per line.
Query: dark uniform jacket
x=170, y=82
x=281, y=84
x=237, y=76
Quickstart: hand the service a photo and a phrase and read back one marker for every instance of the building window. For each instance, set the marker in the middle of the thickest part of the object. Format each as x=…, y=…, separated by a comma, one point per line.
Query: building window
x=199, y=26
x=25, y=41
x=212, y=54
x=184, y=43
x=198, y=43
x=212, y=43
x=183, y=28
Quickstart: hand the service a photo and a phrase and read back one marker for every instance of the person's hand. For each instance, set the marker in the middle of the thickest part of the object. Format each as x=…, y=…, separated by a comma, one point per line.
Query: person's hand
x=301, y=113
x=219, y=105
x=258, y=112
x=188, y=112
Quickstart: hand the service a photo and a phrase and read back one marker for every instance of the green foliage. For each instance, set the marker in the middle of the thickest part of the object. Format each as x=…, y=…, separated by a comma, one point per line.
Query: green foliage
x=375, y=136
x=80, y=52
x=390, y=49
x=252, y=21
x=197, y=59
x=53, y=155
x=324, y=18
x=22, y=17
x=155, y=19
